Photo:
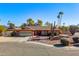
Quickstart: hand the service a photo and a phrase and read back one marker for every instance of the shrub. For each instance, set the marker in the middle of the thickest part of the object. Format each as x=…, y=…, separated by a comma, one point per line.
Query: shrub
x=2, y=28
x=76, y=40
x=14, y=33
x=64, y=42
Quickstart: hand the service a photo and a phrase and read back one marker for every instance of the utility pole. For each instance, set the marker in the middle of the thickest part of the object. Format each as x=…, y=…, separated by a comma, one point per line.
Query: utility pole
x=53, y=28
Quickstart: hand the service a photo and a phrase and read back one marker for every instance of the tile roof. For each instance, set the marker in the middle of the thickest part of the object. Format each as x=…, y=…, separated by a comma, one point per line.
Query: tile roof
x=34, y=28
x=39, y=27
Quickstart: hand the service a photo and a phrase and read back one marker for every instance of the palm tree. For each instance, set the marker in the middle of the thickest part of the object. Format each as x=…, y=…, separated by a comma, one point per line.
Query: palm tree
x=48, y=24
x=11, y=25
x=61, y=13
x=23, y=26
x=40, y=23
x=30, y=22
x=60, y=18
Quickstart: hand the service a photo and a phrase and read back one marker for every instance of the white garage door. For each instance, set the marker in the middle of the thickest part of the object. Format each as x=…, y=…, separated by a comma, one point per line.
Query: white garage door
x=25, y=33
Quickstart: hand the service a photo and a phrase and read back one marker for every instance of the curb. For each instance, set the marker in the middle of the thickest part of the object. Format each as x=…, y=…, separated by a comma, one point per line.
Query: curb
x=40, y=43
x=65, y=48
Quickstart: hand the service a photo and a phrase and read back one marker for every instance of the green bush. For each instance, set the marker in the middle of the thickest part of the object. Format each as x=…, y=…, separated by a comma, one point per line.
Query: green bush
x=64, y=42
x=2, y=28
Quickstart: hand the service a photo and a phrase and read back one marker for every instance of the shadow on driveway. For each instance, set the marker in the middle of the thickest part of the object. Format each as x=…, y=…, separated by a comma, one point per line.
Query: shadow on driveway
x=76, y=45
x=59, y=45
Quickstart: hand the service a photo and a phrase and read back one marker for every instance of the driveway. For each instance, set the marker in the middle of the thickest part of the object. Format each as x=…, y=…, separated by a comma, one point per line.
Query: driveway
x=13, y=39
x=13, y=48
x=29, y=49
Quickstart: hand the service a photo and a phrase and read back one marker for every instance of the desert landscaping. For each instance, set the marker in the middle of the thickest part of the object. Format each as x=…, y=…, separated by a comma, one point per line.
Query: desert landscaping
x=39, y=29
x=21, y=46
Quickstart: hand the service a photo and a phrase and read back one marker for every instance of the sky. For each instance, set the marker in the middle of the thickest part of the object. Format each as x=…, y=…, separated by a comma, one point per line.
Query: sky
x=18, y=13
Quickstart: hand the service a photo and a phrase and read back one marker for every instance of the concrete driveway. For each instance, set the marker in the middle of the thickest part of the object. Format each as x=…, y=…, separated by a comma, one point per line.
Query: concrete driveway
x=13, y=39
x=29, y=49
x=12, y=48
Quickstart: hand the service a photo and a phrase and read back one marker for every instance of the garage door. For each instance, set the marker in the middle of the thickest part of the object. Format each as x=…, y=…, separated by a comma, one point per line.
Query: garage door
x=28, y=33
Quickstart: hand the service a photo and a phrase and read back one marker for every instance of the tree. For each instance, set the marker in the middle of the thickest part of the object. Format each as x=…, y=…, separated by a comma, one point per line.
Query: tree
x=78, y=25
x=60, y=18
x=30, y=22
x=23, y=26
x=73, y=28
x=64, y=28
x=11, y=25
x=48, y=23
x=2, y=28
x=40, y=23
x=36, y=24
x=61, y=13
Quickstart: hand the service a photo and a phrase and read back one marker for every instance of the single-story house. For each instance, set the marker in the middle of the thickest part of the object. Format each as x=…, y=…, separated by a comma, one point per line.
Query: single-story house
x=33, y=31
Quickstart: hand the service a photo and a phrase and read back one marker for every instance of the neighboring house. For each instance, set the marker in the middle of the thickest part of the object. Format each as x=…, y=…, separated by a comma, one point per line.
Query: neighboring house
x=33, y=31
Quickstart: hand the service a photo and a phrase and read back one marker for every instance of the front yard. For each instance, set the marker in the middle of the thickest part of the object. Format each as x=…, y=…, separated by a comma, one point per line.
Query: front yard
x=14, y=46
x=28, y=49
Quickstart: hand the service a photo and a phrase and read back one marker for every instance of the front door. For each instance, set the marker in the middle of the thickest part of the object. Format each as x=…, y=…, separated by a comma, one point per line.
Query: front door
x=37, y=33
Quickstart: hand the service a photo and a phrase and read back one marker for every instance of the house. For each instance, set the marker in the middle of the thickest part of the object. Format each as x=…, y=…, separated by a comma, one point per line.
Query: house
x=33, y=31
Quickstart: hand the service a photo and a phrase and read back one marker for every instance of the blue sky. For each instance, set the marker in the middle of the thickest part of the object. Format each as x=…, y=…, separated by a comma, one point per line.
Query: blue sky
x=18, y=13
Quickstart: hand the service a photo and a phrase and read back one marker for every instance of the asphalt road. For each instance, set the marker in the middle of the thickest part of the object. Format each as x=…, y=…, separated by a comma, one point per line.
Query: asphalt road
x=29, y=49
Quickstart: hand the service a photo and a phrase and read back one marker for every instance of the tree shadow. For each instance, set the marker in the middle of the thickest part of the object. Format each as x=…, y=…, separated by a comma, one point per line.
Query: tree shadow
x=59, y=45
x=76, y=44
